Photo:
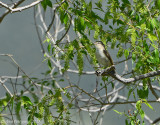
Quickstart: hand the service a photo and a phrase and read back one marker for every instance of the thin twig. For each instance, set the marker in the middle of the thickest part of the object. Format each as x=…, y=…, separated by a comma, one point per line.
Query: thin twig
x=12, y=9
x=8, y=11
x=2, y=83
x=9, y=55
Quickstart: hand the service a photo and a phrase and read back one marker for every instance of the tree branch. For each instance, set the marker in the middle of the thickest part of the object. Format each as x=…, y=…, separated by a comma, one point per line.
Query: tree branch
x=54, y=15
x=25, y=7
x=107, y=72
x=2, y=83
x=8, y=11
x=9, y=55
x=13, y=8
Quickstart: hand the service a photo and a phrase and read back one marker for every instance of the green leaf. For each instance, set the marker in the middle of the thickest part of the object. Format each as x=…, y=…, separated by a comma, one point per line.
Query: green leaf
x=76, y=44
x=120, y=22
x=80, y=61
x=156, y=52
x=143, y=27
x=53, y=49
x=129, y=93
x=47, y=40
x=2, y=121
x=154, y=23
x=89, y=6
x=126, y=122
x=62, y=14
x=152, y=37
x=120, y=52
x=37, y=115
x=65, y=18
x=26, y=100
x=96, y=33
x=46, y=3
x=49, y=64
x=125, y=1
x=18, y=107
x=126, y=53
x=49, y=47
x=82, y=23
x=99, y=4
x=145, y=101
x=158, y=4
x=138, y=105
x=17, y=110
x=89, y=25
x=141, y=112
x=107, y=17
x=79, y=24
x=121, y=113
x=133, y=37
x=134, y=56
x=50, y=92
x=155, y=57
x=143, y=93
x=70, y=52
x=114, y=41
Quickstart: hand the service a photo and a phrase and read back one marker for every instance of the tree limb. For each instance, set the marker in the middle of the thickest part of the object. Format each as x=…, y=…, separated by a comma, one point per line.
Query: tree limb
x=8, y=11
x=107, y=72
x=13, y=8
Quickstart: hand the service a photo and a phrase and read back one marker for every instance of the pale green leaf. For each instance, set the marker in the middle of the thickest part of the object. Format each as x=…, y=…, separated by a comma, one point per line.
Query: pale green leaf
x=133, y=37
x=145, y=101
x=158, y=4
x=49, y=47
x=141, y=112
x=126, y=53
x=138, y=105
x=152, y=37
x=49, y=64
x=154, y=23
x=118, y=112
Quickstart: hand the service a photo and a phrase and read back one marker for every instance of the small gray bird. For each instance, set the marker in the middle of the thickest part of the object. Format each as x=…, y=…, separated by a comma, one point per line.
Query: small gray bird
x=102, y=55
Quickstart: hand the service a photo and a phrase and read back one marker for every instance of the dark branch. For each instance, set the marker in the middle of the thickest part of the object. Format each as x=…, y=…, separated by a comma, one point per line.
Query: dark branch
x=155, y=121
x=54, y=15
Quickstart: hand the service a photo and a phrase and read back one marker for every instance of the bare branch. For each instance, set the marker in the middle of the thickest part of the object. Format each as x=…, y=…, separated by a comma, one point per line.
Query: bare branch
x=8, y=11
x=2, y=83
x=19, y=9
x=156, y=120
x=9, y=55
x=13, y=8
x=4, y=5
x=54, y=15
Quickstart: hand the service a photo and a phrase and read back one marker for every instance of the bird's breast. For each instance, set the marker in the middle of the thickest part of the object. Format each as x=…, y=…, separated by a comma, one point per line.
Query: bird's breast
x=102, y=59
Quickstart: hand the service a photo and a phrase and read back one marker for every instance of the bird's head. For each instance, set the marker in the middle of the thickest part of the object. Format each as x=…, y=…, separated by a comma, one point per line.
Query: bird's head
x=99, y=45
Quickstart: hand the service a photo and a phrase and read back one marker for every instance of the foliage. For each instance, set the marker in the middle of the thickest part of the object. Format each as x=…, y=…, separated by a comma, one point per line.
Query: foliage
x=131, y=28
x=39, y=110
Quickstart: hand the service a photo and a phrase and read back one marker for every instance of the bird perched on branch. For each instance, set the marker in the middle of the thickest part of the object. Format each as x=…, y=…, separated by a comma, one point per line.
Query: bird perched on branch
x=103, y=56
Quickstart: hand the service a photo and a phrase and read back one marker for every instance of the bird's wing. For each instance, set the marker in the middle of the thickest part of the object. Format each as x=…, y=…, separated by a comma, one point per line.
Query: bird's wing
x=108, y=55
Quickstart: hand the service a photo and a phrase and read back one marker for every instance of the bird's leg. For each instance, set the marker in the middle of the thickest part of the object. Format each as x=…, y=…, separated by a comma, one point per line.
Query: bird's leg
x=106, y=71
